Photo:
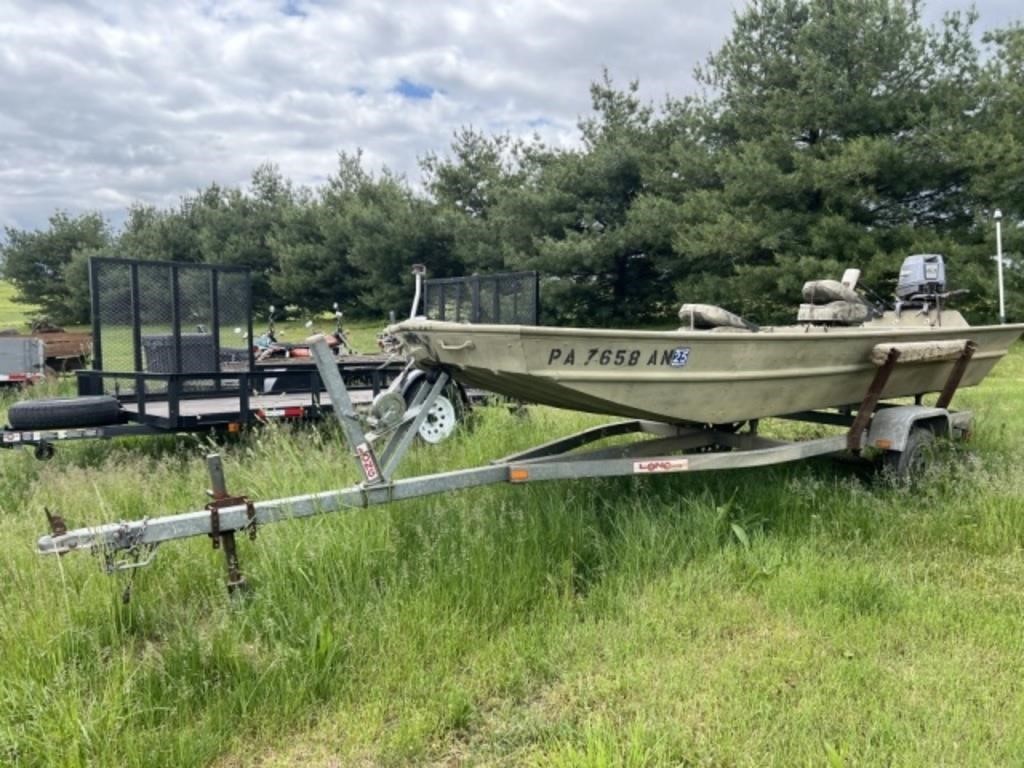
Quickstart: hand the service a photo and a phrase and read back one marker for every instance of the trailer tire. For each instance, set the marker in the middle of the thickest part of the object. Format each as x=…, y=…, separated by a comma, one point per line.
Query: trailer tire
x=93, y=411
x=448, y=411
x=909, y=464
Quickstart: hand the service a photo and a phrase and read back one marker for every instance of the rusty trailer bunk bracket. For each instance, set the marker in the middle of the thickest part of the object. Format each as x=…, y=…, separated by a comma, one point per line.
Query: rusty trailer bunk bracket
x=866, y=409
x=955, y=375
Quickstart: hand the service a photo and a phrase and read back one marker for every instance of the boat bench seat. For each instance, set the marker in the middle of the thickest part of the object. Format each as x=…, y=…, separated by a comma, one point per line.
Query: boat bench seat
x=837, y=312
x=709, y=317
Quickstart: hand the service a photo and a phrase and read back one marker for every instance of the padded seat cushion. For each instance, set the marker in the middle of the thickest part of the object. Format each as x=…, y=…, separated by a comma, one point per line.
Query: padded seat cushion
x=704, y=316
x=825, y=291
x=839, y=312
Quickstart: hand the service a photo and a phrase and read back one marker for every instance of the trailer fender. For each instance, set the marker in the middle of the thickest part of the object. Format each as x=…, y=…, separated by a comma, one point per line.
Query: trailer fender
x=891, y=427
x=410, y=381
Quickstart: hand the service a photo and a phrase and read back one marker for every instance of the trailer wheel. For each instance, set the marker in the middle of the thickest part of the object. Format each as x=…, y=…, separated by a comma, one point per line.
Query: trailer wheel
x=443, y=416
x=440, y=422
x=912, y=461
x=93, y=411
x=43, y=451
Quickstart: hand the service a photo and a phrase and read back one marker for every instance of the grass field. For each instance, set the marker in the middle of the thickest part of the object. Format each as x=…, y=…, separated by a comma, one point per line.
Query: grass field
x=12, y=313
x=800, y=615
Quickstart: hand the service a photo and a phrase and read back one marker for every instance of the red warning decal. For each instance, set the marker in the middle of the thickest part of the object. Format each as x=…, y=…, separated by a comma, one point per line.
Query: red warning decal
x=661, y=465
x=368, y=462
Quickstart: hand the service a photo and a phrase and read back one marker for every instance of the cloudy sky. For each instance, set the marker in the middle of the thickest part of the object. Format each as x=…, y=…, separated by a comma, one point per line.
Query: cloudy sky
x=106, y=102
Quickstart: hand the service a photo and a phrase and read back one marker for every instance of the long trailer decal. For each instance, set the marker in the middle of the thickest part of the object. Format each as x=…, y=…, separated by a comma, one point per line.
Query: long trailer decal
x=14, y=438
x=648, y=466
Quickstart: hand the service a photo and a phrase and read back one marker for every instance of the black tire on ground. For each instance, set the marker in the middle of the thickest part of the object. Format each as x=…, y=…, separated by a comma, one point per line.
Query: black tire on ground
x=93, y=411
x=912, y=461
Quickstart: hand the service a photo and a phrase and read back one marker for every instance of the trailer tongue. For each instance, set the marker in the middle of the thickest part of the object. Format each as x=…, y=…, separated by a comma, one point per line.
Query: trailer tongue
x=378, y=452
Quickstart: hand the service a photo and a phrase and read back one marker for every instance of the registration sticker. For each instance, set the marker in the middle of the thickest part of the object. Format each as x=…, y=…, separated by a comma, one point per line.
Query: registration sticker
x=680, y=357
x=651, y=466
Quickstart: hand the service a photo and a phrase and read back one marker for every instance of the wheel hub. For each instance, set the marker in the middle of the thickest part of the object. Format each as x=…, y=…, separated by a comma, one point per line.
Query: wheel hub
x=440, y=421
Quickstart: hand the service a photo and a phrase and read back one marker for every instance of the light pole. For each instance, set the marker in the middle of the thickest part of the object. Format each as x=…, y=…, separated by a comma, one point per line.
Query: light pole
x=998, y=216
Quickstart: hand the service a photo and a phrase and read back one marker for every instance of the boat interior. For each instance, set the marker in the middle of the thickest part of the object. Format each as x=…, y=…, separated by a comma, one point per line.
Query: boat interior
x=920, y=295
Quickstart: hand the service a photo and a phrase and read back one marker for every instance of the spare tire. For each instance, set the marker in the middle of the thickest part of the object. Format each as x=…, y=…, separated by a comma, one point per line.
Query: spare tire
x=92, y=411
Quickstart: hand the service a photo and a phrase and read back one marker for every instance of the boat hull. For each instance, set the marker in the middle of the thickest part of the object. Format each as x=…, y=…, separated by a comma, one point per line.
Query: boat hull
x=691, y=376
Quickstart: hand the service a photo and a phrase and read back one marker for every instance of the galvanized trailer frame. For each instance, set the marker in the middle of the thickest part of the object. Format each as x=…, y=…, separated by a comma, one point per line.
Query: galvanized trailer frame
x=668, y=448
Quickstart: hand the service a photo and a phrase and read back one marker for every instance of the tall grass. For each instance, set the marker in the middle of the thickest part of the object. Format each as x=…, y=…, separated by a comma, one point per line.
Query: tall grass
x=797, y=615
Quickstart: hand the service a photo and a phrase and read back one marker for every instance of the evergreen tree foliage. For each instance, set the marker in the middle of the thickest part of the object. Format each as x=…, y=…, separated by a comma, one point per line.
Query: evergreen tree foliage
x=827, y=134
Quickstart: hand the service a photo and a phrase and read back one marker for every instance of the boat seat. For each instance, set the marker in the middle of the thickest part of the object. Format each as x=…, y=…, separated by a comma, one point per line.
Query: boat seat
x=825, y=291
x=710, y=317
x=835, y=313
x=834, y=302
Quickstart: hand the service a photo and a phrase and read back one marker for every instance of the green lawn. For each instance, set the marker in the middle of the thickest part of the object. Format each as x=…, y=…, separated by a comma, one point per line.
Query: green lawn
x=799, y=615
x=12, y=313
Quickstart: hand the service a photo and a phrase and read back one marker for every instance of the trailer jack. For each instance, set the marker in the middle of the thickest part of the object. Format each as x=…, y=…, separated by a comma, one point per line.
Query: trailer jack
x=225, y=539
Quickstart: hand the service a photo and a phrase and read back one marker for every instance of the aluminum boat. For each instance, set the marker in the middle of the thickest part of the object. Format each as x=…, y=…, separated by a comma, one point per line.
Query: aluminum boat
x=728, y=372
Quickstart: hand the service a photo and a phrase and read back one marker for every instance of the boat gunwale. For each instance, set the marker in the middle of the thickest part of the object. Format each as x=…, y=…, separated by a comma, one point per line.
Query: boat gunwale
x=860, y=332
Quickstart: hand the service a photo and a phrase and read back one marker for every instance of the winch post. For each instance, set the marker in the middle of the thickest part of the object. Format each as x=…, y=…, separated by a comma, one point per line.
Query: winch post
x=363, y=453
x=224, y=539
x=424, y=398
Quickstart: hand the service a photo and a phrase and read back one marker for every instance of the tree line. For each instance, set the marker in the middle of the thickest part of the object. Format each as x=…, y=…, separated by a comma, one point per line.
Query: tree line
x=825, y=134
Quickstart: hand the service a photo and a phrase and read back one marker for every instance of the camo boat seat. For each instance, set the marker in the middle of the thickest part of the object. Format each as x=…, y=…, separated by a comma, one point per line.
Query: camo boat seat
x=709, y=317
x=833, y=302
x=835, y=313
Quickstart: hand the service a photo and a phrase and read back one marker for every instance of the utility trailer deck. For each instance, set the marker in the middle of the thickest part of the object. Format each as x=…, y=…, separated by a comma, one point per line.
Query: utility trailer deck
x=897, y=431
x=172, y=403
x=223, y=409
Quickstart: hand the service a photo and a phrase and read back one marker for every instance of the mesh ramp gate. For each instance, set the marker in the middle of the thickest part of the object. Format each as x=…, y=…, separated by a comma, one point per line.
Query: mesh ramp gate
x=171, y=318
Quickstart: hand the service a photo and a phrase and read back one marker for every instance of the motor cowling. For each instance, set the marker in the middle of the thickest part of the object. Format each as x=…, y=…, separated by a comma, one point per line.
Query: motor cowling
x=921, y=275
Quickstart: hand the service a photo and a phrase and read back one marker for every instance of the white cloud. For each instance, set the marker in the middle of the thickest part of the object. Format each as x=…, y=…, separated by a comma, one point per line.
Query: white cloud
x=102, y=103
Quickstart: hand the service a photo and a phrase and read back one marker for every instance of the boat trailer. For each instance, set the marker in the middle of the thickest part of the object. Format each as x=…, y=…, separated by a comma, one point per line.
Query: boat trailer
x=668, y=448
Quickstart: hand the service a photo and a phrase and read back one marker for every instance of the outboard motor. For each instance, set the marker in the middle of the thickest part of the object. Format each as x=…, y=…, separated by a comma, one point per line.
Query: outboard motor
x=922, y=286
x=922, y=279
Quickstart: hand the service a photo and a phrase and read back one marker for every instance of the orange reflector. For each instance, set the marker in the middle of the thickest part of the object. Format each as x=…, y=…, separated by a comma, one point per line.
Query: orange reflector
x=234, y=426
x=518, y=475
x=883, y=444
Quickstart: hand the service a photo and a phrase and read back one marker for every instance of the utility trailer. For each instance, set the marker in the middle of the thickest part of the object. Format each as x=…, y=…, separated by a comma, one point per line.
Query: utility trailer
x=173, y=403
x=900, y=433
x=165, y=357
x=22, y=360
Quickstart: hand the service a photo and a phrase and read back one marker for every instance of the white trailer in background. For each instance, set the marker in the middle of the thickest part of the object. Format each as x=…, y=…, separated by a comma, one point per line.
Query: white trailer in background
x=22, y=360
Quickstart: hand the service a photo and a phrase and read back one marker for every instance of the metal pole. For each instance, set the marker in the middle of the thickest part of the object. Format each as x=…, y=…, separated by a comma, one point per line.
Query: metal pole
x=94, y=300
x=215, y=321
x=176, y=321
x=418, y=270
x=998, y=215
x=136, y=295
